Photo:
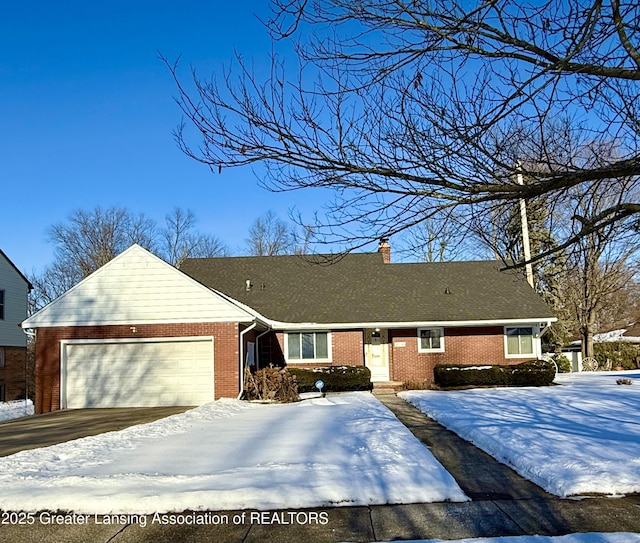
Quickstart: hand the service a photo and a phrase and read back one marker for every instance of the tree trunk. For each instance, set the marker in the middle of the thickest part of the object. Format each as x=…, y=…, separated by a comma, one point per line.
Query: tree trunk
x=587, y=342
x=586, y=333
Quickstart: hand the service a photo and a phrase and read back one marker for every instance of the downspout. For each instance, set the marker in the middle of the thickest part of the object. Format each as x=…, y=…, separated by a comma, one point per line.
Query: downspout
x=242, y=334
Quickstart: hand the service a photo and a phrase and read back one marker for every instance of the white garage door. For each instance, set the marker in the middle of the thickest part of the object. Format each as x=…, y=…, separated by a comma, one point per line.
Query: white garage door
x=137, y=373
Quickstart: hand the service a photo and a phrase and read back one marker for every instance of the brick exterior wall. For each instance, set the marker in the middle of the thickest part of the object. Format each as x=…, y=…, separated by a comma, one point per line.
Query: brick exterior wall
x=12, y=376
x=482, y=345
x=225, y=343
x=347, y=349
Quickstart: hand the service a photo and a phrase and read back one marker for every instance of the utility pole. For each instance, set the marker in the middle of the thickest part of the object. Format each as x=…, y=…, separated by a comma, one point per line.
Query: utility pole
x=525, y=234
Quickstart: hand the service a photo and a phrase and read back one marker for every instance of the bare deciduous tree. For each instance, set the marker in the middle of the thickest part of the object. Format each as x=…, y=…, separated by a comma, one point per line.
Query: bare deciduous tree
x=180, y=239
x=90, y=239
x=411, y=108
x=440, y=240
x=599, y=267
x=84, y=243
x=269, y=236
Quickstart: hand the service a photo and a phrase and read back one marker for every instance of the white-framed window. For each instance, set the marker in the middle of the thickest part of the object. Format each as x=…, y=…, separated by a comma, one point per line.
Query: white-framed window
x=308, y=346
x=430, y=340
x=519, y=341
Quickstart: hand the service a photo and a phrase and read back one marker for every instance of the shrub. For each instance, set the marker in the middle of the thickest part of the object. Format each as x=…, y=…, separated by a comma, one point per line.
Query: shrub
x=271, y=384
x=336, y=378
x=532, y=373
x=563, y=363
x=619, y=353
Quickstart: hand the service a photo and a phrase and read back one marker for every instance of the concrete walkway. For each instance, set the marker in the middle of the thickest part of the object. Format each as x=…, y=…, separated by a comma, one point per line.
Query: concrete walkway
x=502, y=504
x=479, y=475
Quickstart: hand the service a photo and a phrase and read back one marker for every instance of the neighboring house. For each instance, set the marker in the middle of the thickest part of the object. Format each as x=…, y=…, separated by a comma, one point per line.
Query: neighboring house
x=14, y=292
x=140, y=332
x=629, y=334
x=573, y=351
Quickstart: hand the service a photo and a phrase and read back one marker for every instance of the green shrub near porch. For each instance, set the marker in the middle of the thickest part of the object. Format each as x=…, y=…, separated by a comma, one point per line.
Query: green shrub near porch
x=531, y=373
x=335, y=378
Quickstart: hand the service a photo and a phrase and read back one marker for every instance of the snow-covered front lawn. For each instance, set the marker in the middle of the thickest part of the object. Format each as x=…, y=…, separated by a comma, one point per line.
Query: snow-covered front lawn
x=16, y=409
x=345, y=449
x=581, y=437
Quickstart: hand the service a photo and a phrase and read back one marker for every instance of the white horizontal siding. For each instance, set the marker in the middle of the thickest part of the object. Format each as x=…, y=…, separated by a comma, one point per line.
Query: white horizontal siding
x=15, y=305
x=137, y=287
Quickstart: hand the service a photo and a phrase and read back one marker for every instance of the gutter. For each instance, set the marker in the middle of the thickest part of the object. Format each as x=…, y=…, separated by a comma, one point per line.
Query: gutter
x=279, y=325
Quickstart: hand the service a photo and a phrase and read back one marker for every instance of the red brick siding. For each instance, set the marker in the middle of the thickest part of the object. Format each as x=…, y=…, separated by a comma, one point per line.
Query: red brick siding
x=12, y=376
x=483, y=345
x=347, y=349
x=226, y=347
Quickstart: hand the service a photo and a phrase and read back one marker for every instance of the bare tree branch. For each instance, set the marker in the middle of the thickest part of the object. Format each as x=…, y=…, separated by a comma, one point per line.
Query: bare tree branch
x=408, y=109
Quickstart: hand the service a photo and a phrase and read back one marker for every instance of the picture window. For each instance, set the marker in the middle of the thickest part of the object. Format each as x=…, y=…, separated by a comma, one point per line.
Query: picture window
x=519, y=341
x=431, y=340
x=308, y=346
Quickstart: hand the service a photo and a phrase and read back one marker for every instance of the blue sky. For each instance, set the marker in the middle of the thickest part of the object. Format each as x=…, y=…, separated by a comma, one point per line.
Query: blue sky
x=87, y=113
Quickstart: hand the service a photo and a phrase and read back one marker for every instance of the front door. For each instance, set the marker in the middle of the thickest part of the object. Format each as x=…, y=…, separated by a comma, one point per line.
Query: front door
x=376, y=354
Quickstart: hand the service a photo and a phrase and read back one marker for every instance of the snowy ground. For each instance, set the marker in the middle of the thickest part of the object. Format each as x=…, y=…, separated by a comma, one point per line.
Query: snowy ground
x=15, y=410
x=346, y=449
x=582, y=437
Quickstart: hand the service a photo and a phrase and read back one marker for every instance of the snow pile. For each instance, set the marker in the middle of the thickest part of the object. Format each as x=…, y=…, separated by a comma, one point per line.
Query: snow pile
x=16, y=409
x=580, y=438
x=345, y=449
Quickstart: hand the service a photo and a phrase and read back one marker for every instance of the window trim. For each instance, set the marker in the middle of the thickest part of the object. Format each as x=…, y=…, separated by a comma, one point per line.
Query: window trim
x=314, y=360
x=533, y=342
x=439, y=349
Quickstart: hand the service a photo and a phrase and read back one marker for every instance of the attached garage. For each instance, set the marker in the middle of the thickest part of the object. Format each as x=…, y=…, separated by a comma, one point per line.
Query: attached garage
x=139, y=332
x=136, y=373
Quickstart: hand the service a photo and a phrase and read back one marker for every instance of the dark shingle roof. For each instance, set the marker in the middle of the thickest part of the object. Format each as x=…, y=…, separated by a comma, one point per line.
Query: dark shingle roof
x=360, y=288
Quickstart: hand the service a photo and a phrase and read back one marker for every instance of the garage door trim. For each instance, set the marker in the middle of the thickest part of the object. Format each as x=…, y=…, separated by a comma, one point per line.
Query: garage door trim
x=67, y=342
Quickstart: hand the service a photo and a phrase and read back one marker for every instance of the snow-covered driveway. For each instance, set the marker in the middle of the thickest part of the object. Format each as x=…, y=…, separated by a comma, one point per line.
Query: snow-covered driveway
x=582, y=437
x=345, y=449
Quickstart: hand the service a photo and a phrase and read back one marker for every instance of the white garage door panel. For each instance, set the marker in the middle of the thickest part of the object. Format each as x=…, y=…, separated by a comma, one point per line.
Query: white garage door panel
x=138, y=374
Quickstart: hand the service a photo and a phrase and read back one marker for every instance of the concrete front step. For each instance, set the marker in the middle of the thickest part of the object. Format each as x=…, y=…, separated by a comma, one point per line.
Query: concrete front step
x=387, y=387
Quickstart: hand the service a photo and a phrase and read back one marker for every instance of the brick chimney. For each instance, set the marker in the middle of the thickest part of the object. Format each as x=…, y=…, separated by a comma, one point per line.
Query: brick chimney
x=385, y=249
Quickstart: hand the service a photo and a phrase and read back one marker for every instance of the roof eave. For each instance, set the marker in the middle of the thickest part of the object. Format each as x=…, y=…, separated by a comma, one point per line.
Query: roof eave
x=279, y=325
